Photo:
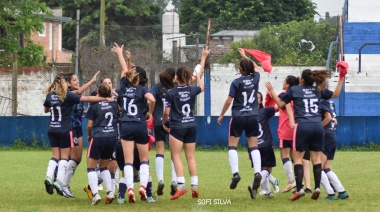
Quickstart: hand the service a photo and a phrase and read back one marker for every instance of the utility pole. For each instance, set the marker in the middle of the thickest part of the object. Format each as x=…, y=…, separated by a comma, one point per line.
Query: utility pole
x=14, y=85
x=77, y=44
x=102, y=21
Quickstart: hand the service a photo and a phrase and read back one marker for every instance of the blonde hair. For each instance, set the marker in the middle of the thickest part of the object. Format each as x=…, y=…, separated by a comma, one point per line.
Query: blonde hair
x=132, y=76
x=59, y=86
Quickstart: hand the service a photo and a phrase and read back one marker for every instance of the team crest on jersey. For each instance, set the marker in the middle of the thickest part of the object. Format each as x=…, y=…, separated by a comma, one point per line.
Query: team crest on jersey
x=54, y=97
x=248, y=82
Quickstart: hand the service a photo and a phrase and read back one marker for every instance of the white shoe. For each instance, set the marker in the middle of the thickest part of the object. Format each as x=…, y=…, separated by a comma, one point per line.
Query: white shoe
x=67, y=192
x=110, y=197
x=100, y=187
x=96, y=199
x=262, y=192
x=289, y=187
x=276, y=188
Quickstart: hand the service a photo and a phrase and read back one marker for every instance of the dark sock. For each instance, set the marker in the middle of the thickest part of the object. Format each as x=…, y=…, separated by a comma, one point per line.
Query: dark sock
x=236, y=174
x=317, y=170
x=149, y=189
x=122, y=190
x=55, y=173
x=298, y=171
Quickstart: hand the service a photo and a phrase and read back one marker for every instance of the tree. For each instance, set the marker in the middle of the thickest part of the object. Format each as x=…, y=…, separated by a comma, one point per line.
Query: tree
x=295, y=43
x=18, y=18
x=118, y=13
x=196, y=11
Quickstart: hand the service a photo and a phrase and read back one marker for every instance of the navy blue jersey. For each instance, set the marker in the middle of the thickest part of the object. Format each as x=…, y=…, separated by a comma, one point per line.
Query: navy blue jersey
x=328, y=106
x=160, y=95
x=132, y=101
x=265, y=136
x=76, y=116
x=244, y=91
x=104, y=116
x=60, y=112
x=181, y=101
x=306, y=102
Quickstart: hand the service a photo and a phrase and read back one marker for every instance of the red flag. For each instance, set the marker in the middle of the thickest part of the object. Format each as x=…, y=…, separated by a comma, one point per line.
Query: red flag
x=264, y=58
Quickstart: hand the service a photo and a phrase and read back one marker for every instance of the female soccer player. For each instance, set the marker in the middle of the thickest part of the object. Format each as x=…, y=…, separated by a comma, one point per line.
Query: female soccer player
x=101, y=129
x=328, y=176
x=159, y=91
x=76, y=119
x=135, y=112
x=180, y=106
x=308, y=130
x=243, y=93
x=59, y=101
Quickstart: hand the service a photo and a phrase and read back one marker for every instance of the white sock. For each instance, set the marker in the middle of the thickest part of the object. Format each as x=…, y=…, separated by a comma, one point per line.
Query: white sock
x=174, y=174
x=106, y=176
x=194, y=180
x=264, y=180
x=234, y=160
x=160, y=167
x=62, y=165
x=272, y=179
x=334, y=180
x=71, y=167
x=256, y=160
x=289, y=171
x=144, y=173
x=326, y=184
x=128, y=175
x=117, y=174
x=51, y=167
x=181, y=180
x=113, y=184
x=93, y=181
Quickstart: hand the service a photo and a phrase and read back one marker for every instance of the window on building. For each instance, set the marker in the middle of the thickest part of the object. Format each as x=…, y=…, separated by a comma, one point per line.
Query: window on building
x=42, y=33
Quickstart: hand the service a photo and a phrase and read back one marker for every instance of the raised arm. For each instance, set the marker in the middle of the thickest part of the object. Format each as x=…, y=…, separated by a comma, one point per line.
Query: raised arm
x=87, y=85
x=205, y=53
x=276, y=99
x=342, y=66
x=119, y=52
x=243, y=55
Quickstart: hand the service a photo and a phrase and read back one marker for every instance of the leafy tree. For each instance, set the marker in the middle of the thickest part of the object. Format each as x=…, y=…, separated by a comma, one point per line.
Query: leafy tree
x=295, y=43
x=17, y=18
x=196, y=11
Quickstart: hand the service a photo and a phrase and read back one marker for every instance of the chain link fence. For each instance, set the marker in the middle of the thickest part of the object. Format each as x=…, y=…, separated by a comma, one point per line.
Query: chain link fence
x=293, y=47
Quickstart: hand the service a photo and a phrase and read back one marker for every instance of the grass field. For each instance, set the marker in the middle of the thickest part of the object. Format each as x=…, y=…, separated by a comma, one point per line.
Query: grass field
x=23, y=172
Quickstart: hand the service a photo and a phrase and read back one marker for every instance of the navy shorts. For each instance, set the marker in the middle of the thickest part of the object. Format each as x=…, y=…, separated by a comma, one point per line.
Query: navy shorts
x=186, y=135
x=160, y=133
x=101, y=148
x=309, y=135
x=330, y=145
x=61, y=139
x=77, y=133
x=134, y=131
x=249, y=124
x=285, y=144
x=268, y=159
x=306, y=156
x=120, y=157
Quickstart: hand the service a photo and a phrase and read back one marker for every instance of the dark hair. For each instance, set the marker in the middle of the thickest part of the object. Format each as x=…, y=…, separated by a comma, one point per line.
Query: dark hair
x=292, y=80
x=183, y=75
x=261, y=100
x=143, y=80
x=309, y=77
x=106, y=77
x=104, y=90
x=69, y=76
x=94, y=93
x=166, y=80
x=171, y=72
x=246, y=67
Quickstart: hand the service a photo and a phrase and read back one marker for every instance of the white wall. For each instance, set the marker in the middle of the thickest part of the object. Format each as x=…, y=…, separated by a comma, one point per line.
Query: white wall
x=363, y=11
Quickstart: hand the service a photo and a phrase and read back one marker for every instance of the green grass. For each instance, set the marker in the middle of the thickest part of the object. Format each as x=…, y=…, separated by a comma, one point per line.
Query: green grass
x=23, y=172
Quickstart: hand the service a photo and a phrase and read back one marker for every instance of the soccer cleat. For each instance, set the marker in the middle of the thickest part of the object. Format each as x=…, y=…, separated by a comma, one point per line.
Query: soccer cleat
x=234, y=181
x=298, y=195
x=256, y=181
x=151, y=200
x=173, y=188
x=331, y=197
x=179, y=192
x=194, y=191
x=58, y=187
x=120, y=201
x=289, y=187
x=88, y=191
x=343, y=195
x=67, y=192
x=49, y=185
x=315, y=194
x=142, y=192
x=252, y=192
x=262, y=192
x=110, y=197
x=269, y=195
x=308, y=191
x=131, y=195
x=160, y=188
x=276, y=188
x=96, y=199
x=100, y=187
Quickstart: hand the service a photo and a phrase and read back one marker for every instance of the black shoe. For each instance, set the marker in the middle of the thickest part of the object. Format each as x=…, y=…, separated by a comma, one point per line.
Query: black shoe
x=256, y=181
x=234, y=181
x=252, y=191
x=308, y=191
x=49, y=186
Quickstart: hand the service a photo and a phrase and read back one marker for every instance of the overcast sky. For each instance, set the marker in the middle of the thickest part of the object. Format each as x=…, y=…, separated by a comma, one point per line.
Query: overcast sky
x=334, y=7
